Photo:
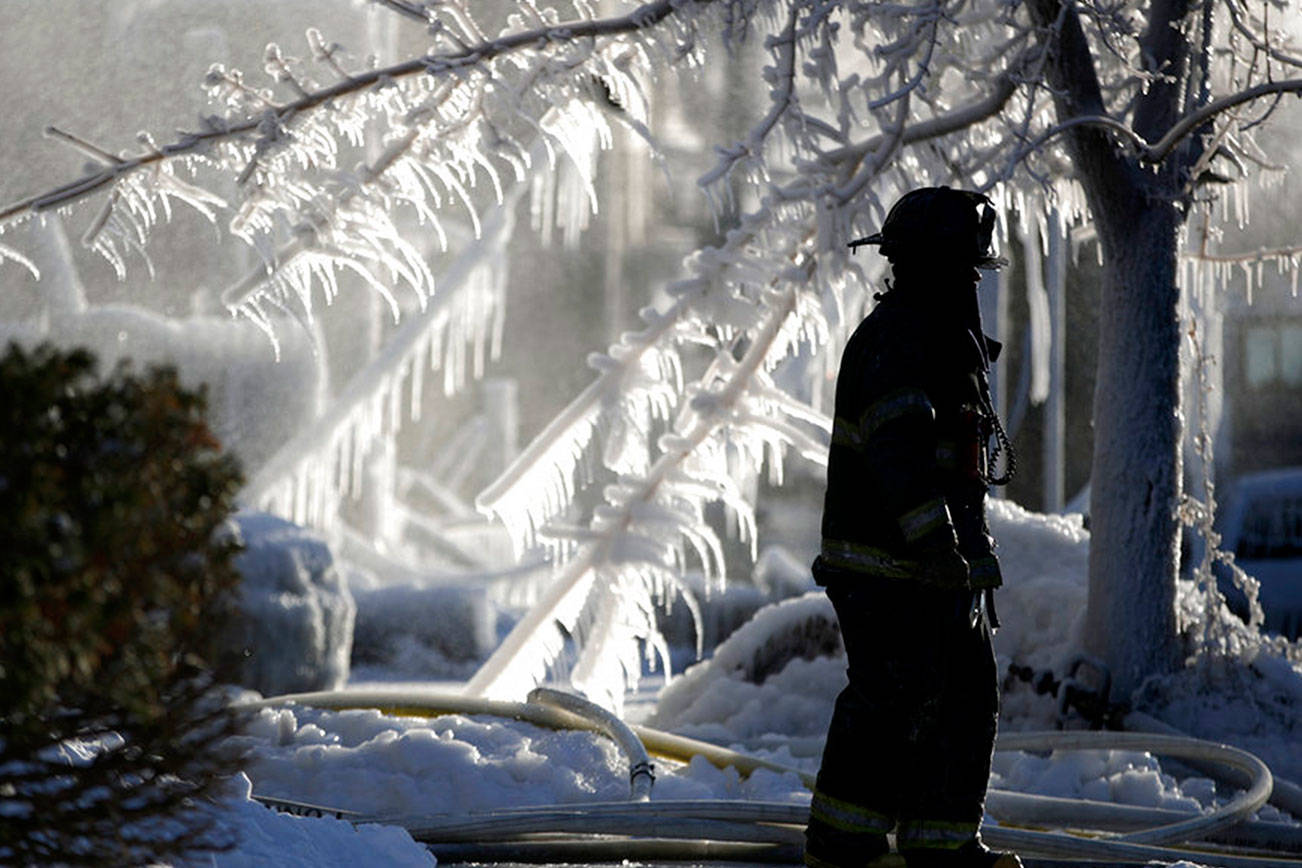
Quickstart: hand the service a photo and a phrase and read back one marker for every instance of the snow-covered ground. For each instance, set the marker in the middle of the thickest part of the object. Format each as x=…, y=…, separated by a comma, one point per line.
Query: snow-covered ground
x=768, y=690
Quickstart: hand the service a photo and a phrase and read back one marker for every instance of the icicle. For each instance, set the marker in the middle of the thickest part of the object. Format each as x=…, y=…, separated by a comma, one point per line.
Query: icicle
x=371, y=406
x=1037, y=298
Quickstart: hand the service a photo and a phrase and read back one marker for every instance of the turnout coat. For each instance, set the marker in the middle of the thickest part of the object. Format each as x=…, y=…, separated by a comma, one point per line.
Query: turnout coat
x=906, y=480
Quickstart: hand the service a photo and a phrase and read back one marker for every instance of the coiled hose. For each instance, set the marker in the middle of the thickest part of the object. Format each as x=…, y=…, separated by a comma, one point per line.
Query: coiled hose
x=772, y=832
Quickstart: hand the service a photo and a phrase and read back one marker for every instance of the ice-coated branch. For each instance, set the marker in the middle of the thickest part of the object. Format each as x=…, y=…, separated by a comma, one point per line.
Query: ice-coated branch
x=93, y=151
x=931, y=128
x=545, y=467
x=306, y=472
x=458, y=62
x=1256, y=39
x=1261, y=254
x=1158, y=151
x=781, y=99
x=1077, y=91
x=8, y=253
x=537, y=485
x=242, y=297
x=527, y=652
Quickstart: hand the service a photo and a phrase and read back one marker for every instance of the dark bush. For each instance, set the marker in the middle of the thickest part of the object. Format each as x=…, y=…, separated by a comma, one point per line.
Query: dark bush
x=114, y=579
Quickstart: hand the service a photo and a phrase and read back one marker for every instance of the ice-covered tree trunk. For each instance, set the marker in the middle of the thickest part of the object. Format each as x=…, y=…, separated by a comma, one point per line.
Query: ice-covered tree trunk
x=1137, y=204
x=1130, y=620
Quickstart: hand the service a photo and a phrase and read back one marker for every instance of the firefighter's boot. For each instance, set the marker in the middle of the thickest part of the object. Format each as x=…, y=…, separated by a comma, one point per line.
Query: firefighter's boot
x=973, y=854
x=826, y=849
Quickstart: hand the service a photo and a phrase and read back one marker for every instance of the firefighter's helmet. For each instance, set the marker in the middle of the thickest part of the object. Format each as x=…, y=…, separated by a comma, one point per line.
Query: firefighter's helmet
x=932, y=219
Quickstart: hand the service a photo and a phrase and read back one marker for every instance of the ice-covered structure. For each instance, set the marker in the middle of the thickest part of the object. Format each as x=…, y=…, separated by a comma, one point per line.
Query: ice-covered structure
x=295, y=628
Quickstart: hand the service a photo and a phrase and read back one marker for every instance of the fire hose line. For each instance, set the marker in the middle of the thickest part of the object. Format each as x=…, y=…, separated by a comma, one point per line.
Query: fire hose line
x=641, y=775
x=771, y=832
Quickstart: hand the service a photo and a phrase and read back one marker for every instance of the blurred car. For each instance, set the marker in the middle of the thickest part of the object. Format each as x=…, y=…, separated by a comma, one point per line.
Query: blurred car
x=1262, y=526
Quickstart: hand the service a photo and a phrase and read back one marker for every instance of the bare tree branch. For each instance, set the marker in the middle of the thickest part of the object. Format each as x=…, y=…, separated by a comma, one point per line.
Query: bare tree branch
x=94, y=152
x=1256, y=41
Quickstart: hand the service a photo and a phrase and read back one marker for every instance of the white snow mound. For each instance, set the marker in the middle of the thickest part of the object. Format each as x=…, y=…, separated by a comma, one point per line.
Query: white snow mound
x=266, y=839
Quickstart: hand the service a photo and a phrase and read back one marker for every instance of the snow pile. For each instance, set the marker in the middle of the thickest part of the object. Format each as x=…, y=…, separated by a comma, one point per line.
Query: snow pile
x=1126, y=777
x=376, y=764
x=296, y=624
x=1045, y=563
x=365, y=761
x=722, y=611
x=779, y=673
x=1253, y=701
x=779, y=573
x=264, y=837
x=769, y=689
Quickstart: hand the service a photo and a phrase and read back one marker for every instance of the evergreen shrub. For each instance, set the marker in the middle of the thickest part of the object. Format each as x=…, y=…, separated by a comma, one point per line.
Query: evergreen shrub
x=114, y=580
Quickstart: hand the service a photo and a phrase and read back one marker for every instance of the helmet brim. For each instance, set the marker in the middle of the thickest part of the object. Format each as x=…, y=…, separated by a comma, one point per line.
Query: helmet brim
x=875, y=238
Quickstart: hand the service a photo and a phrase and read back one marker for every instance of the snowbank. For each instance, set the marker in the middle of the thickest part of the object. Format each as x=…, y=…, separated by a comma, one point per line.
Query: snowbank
x=1252, y=701
x=296, y=624
x=368, y=762
x=265, y=838
x=779, y=673
x=1125, y=777
x=769, y=688
x=1247, y=695
x=1045, y=563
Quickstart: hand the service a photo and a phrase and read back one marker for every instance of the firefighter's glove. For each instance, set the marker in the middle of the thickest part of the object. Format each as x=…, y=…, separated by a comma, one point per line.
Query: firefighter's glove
x=940, y=559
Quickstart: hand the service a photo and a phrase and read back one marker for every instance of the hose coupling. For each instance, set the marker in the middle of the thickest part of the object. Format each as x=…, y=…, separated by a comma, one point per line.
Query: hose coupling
x=643, y=768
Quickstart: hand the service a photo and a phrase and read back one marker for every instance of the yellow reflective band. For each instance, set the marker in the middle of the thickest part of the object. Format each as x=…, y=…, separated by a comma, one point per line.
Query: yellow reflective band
x=892, y=406
x=847, y=816
x=866, y=559
x=934, y=834
x=925, y=519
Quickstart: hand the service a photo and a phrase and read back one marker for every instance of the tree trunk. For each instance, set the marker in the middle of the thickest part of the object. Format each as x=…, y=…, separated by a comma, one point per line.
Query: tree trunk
x=1136, y=485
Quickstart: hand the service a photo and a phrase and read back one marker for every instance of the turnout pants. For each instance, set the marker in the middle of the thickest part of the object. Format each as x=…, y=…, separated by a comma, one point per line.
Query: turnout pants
x=911, y=738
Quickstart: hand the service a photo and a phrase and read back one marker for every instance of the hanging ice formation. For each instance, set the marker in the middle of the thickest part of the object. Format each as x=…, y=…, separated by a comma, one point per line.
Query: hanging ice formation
x=306, y=477
x=616, y=569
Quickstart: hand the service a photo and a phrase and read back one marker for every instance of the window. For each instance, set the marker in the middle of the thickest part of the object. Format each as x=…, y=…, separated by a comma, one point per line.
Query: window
x=1272, y=355
x=1290, y=354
